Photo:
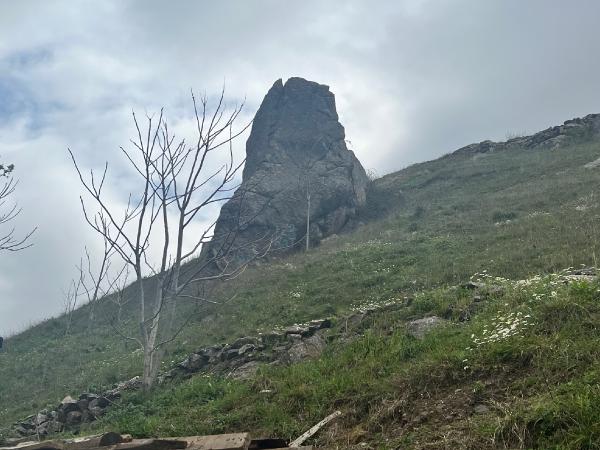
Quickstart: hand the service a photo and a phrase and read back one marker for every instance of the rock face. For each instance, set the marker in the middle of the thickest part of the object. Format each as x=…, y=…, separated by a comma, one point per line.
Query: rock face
x=296, y=150
x=571, y=131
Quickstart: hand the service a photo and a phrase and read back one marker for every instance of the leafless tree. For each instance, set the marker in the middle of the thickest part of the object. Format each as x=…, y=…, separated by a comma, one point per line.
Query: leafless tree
x=117, y=294
x=308, y=182
x=96, y=284
x=71, y=301
x=8, y=239
x=152, y=234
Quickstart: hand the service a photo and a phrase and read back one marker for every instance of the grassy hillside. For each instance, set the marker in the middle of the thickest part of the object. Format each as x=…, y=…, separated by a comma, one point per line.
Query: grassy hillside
x=429, y=227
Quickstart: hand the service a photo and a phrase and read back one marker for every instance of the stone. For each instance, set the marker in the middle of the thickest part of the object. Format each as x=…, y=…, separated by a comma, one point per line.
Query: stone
x=41, y=418
x=73, y=418
x=68, y=405
x=297, y=329
x=244, y=341
x=573, y=130
x=245, y=371
x=100, y=402
x=353, y=321
x=297, y=144
x=83, y=404
x=311, y=347
x=88, y=396
x=195, y=362
x=292, y=337
x=272, y=338
x=319, y=324
x=96, y=411
x=247, y=348
x=418, y=328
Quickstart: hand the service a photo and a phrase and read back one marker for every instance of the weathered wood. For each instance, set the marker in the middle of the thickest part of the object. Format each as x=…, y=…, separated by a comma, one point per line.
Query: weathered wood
x=83, y=443
x=237, y=441
x=32, y=445
x=148, y=444
x=300, y=440
x=89, y=442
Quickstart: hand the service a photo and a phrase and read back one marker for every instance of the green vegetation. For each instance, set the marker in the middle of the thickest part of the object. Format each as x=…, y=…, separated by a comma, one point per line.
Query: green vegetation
x=427, y=228
x=529, y=359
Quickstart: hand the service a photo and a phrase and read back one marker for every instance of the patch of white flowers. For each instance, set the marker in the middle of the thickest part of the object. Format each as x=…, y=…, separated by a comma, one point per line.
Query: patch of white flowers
x=503, y=326
x=372, y=305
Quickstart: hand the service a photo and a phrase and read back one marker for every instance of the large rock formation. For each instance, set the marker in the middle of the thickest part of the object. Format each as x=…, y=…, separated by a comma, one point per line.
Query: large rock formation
x=296, y=151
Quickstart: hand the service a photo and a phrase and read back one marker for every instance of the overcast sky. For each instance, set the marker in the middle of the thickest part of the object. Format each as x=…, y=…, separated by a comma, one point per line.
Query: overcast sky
x=413, y=80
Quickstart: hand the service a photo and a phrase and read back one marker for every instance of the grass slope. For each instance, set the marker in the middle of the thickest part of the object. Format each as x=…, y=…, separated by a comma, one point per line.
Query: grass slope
x=513, y=213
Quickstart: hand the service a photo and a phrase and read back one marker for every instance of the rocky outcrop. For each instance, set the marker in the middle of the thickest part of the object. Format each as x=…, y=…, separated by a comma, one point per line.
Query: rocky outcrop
x=297, y=164
x=239, y=360
x=571, y=131
x=71, y=412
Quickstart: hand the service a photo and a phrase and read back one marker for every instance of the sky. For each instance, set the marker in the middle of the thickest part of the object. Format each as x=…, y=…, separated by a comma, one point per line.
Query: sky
x=413, y=79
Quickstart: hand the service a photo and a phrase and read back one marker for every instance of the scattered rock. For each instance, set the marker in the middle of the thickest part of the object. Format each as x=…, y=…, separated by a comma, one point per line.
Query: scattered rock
x=245, y=371
x=297, y=329
x=551, y=138
x=418, y=328
x=74, y=418
x=311, y=347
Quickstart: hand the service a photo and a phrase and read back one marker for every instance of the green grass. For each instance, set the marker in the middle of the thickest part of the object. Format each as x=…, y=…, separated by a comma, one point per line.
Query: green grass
x=541, y=384
x=427, y=227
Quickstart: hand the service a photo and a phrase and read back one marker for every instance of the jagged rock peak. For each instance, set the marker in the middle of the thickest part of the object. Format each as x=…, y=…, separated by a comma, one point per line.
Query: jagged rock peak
x=296, y=150
x=294, y=118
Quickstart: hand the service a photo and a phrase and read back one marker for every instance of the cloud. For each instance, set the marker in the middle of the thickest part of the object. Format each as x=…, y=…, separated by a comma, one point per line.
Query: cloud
x=413, y=80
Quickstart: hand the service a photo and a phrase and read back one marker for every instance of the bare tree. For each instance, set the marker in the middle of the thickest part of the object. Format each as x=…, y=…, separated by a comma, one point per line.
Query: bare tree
x=8, y=239
x=71, y=300
x=153, y=234
x=96, y=284
x=117, y=294
x=308, y=181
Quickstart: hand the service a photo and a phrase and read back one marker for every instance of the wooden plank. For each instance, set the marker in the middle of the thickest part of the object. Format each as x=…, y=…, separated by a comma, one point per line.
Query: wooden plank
x=89, y=442
x=235, y=441
x=300, y=440
x=145, y=444
x=32, y=445
x=83, y=443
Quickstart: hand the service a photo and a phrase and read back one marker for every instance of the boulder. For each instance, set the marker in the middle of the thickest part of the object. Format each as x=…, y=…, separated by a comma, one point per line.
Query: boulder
x=297, y=329
x=240, y=342
x=100, y=402
x=195, y=362
x=247, y=348
x=73, y=418
x=245, y=371
x=296, y=149
x=68, y=405
x=310, y=347
x=418, y=328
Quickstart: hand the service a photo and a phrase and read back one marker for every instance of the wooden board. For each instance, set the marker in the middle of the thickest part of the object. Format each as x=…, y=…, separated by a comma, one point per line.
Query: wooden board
x=45, y=445
x=236, y=441
x=146, y=444
x=84, y=443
